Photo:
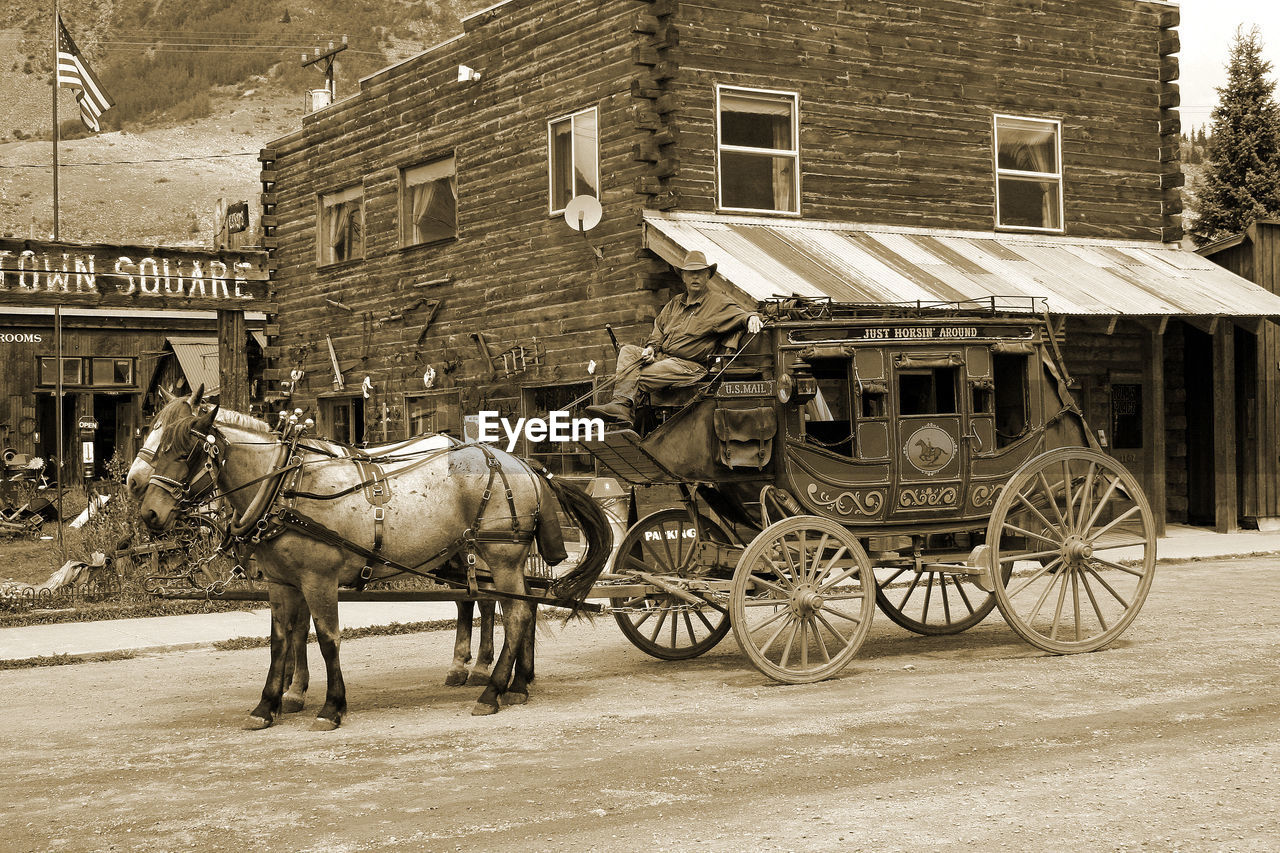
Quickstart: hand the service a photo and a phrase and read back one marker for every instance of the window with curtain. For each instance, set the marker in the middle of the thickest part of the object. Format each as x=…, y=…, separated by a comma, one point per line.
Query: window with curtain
x=574, y=153
x=1028, y=173
x=433, y=412
x=758, y=151
x=428, y=202
x=340, y=234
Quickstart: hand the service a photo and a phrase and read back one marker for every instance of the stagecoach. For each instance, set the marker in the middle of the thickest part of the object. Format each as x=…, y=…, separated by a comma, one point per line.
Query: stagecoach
x=926, y=459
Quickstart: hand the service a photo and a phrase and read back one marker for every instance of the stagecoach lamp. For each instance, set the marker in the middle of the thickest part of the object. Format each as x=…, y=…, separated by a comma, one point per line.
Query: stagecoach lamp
x=785, y=386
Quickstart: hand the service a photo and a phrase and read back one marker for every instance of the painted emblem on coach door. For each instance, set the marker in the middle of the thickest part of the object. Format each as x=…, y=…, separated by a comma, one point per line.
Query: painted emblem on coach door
x=929, y=449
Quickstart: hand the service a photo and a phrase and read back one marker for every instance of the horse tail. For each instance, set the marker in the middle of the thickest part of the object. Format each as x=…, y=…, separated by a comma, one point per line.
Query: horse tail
x=577, y=584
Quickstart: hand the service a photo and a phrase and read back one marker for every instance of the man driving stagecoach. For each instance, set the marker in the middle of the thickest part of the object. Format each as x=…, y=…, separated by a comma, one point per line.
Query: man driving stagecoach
x=687, y=332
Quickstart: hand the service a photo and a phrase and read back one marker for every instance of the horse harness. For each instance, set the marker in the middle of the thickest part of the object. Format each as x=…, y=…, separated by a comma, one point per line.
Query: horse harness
x=273, y=510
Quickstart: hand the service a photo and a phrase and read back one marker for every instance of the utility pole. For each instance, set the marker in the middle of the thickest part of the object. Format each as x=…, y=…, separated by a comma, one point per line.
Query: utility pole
x=325, y=60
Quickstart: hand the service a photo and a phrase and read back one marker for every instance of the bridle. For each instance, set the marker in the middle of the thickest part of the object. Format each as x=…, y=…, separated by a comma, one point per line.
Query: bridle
x=203, y=463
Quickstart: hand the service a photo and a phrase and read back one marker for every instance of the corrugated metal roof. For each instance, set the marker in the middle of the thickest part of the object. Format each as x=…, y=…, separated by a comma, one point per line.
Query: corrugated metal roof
x=198, y=358
x=766, y=257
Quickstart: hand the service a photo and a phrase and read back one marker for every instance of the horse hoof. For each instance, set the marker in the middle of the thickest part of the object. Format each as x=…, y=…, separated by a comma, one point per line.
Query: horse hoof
x=291, y=705
x=323, y=724
x=483, y=710
x=510, y=698
x=455, y=678
x=478, y=678
x=253, y=723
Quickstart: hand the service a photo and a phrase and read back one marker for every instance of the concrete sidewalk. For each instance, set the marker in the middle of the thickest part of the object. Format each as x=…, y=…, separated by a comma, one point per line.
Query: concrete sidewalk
x=164, y=633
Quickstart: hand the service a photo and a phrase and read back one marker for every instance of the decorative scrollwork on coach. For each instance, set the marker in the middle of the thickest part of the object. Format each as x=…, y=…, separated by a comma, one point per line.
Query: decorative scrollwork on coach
x=847, y=503
x=984, y=495
x=928, y=496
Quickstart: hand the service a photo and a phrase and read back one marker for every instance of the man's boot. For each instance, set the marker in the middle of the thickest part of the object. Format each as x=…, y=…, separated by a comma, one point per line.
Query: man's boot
x=617, y=410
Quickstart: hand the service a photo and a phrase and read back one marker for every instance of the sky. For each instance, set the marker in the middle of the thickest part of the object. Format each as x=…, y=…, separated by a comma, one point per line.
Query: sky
x=1206, y=32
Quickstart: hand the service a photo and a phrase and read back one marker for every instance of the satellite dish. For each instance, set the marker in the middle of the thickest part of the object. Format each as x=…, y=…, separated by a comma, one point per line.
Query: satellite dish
x=583, y=213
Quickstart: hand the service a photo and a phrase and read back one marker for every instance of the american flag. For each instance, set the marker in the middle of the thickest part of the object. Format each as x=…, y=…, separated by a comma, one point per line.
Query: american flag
x=75, y=73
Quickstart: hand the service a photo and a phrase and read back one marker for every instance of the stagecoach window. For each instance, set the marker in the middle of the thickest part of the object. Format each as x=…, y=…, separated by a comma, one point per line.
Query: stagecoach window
x=428, y=203
x=927, y=392
x=340, y=226
x=828, y=416
x=565, y=458
x=1010, y=372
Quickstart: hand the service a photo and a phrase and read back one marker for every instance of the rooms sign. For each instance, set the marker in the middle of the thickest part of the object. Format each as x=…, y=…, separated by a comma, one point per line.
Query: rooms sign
x=46, y=273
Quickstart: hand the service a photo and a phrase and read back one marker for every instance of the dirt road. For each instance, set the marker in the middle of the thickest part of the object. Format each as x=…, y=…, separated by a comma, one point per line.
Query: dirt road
x=1168, y=740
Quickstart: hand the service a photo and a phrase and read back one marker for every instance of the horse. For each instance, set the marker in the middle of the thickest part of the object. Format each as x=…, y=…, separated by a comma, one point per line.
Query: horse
x=439, y=507
x=297, y=674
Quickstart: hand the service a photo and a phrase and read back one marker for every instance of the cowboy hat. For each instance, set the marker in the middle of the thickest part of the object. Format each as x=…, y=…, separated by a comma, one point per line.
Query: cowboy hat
x=694, y=261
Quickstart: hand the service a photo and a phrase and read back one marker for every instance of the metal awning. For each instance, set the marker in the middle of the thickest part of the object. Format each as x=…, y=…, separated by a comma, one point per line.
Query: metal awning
x=767, y=257
x=198, y=358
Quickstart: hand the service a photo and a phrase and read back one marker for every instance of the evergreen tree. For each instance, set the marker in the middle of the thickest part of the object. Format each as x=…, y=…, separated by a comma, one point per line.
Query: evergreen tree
x=1242, y=176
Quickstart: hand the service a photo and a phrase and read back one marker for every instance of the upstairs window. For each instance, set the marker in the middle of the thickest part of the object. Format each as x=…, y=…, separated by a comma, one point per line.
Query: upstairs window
x=573, y=146
x=341, y=226
x=1028, y=173
x=428, y=203
x=757, y=149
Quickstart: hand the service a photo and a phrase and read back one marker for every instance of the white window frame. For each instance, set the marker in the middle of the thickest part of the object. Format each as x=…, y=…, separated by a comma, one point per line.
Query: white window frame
x=573, y=155
x=794, y=151
x=1055, y=175
x=427, y=171
x=325, y=203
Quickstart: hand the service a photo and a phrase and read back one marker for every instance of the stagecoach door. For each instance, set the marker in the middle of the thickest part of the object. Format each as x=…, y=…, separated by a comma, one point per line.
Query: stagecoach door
x=930, y=429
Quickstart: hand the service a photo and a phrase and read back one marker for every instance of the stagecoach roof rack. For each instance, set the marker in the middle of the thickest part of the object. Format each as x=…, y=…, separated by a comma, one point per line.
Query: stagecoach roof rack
x=826, y=308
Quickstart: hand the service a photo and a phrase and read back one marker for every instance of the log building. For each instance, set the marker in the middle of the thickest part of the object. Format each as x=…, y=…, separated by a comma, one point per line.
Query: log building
x=868, y=151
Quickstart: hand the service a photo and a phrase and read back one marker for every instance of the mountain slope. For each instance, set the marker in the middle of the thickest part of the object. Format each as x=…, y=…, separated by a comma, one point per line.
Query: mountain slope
x=201, y=85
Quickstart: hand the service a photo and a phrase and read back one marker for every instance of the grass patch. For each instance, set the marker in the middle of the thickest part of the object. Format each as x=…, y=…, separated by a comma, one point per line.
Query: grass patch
x=64, y=660
x=237, y=643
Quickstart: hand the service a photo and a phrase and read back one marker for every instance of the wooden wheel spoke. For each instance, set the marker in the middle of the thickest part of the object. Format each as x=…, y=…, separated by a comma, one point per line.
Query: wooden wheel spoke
x=845, y=596
x=1034, y=576
x=826, y=570
x=1051, y=494
x=1108, y=587
x=1016, y=529
x=1029, y=505
x=1104, y=531
x=1053, y=582
x=666, y=547
x=769, y=642
x=791, y=640
x=1031, y=555
x=811, y=572
x=705, y=621
x=1061, y=583
x=1128, y=570
x=1097, y=611
x=1102, y=503
x=910, y=589
x=893, y=577
x=663, y=613
x=840, y=578
x=835, y=611
x=1075, y=597
x=645, y=618
x=1086, y=490
x=1068, y=499
x=1111, y=546
x=963, y=595
x=771, y=586
x=946, y=602
x=843, y=640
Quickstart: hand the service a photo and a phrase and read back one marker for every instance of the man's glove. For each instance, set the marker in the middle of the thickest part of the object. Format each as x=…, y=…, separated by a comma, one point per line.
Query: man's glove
x=754, y=323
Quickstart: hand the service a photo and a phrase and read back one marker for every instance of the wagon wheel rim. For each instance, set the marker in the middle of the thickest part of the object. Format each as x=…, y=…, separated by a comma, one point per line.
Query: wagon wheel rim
x=660, y=624
x=932, y=602
x=1074, y=538
x=802, y=599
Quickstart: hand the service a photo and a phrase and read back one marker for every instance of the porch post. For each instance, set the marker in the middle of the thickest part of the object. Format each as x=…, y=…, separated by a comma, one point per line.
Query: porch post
x=1226, y=504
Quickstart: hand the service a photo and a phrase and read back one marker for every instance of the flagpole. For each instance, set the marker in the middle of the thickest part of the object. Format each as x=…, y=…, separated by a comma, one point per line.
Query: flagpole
x=55, y=121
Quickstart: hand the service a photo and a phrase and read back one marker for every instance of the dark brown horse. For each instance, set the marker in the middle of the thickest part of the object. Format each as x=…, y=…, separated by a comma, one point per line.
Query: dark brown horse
x=439, y=508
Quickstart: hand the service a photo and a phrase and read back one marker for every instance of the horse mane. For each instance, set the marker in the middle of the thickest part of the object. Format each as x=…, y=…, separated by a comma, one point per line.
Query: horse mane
x=230, y=417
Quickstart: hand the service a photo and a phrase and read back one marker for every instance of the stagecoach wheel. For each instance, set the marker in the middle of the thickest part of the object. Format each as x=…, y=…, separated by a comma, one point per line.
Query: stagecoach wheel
x=932, y=602
x=660, y=624
x=802, y=599
x=1075, y=542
